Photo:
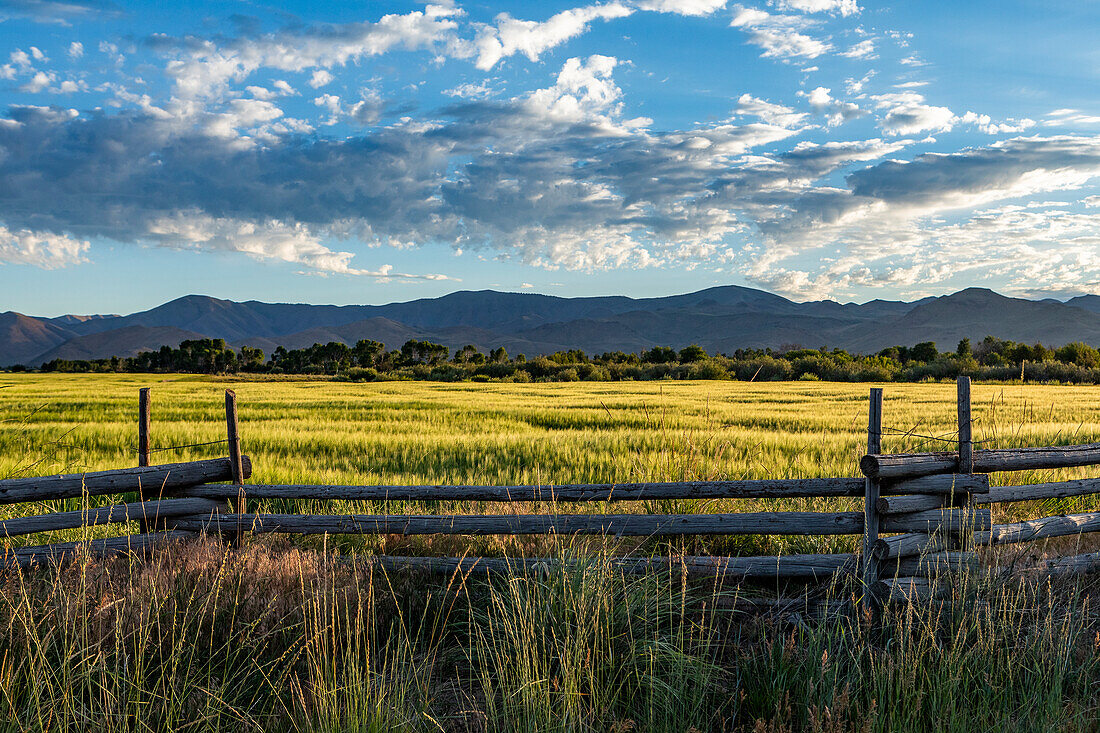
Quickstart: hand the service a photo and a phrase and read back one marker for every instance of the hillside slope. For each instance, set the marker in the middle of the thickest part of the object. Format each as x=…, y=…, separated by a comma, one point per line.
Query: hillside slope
x=720, y=319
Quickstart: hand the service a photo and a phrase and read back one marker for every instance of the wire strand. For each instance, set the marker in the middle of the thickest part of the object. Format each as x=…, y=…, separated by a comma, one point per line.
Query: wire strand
x=181, y=447
x=945, y=438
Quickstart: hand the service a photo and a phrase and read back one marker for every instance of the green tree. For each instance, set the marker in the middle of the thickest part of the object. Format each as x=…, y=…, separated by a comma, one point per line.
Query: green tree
x=692, y=353
x=924, y=351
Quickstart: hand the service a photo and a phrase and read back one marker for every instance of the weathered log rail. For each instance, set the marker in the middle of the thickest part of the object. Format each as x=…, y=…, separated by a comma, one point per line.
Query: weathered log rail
x=923, y=514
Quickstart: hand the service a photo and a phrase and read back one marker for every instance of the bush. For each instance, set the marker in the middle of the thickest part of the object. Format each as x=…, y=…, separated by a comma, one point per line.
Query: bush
x=361, y=374
x=568, y=375
x=708, y=369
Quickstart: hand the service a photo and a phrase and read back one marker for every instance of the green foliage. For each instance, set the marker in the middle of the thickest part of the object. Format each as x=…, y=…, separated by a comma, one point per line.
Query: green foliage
x=992, y=358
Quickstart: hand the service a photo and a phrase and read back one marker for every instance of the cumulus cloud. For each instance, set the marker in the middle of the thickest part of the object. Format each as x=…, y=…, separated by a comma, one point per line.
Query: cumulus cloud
x=76, y=50
x=836, y=7
x=773, y=114
x=558, y=177
x=779, y=36
x=683, y=7
x=905, y=113
x=320, y=78
x=202, y=68
x=509, y=36
x=40, y=249
x=836, y=111
x=1016, y=167
x=986, y=124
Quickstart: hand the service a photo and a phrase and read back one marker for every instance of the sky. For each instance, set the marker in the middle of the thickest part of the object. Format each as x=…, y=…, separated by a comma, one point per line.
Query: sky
x=371, y=152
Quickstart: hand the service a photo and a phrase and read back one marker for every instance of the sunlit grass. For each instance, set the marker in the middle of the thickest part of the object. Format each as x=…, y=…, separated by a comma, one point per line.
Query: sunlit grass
x=320, y=431
x=277, y=636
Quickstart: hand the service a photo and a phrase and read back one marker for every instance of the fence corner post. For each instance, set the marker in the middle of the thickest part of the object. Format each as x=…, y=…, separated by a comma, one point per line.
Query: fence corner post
x=233, y=437
x=870, y=501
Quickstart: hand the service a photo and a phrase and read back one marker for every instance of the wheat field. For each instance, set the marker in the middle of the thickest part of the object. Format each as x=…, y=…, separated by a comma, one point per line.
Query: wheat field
x=287, y=634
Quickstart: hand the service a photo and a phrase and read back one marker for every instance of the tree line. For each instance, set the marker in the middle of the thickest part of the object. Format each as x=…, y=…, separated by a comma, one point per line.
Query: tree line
x=991, y=358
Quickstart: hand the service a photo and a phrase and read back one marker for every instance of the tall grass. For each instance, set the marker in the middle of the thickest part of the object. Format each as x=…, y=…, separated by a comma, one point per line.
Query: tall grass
x=271, y=638
x=275, y=636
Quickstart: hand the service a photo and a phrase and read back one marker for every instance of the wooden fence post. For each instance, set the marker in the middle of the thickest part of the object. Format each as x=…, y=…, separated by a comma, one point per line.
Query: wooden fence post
x=871, y=497
x=144, y=423
x=234, y=440
x=966, y=437
x=966, y=454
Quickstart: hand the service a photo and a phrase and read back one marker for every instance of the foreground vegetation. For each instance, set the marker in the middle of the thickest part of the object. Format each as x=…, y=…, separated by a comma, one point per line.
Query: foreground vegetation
x=282, y=636
x=991, y=359
x=270, y=638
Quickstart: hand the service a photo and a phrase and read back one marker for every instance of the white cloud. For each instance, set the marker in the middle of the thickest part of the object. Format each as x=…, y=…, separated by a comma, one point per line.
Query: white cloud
x=38, y=83
x=865, y=49
x=907, y=114
x=330, y=102
x=272, y=239
x=202, y=68
x=320, y=78
x=368, y=109
x=836, y=111
x=284, y=88
x=468, y=90
x=261, y=93
x=836, y=7
x=46, y=250
x=1069, y=117
x=21, y=58
x=682, y=7
x=773, y=114
x=510, y=36
x=584, y=90
x=986, y=124
x=76, y=50
x=778, y=35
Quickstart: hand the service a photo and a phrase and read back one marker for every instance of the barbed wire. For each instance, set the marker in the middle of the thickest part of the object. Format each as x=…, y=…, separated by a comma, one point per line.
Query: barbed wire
x=945, y=438
x=181, y=447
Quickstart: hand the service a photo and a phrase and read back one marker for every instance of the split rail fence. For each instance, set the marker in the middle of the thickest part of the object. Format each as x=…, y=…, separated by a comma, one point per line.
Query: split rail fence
x=923, y=513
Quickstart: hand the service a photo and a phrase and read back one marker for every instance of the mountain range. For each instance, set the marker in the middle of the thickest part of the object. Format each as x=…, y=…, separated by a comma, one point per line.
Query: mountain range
x=720, y=319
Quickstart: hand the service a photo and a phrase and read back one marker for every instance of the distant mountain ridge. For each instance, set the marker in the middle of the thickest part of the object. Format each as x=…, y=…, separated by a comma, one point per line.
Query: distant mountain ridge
x=720, y=319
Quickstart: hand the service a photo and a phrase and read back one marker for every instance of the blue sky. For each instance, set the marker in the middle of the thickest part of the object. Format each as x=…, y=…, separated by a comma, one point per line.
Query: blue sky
x=373, y=152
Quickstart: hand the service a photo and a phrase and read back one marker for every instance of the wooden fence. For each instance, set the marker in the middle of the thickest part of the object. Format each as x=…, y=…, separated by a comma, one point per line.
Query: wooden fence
x=923, y=513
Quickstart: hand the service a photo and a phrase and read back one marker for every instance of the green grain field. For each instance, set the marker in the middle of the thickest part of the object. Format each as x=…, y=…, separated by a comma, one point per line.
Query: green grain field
x=287, y=634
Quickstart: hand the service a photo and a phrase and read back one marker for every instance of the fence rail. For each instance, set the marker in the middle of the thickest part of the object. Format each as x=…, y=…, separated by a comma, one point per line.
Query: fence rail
x=923, y=513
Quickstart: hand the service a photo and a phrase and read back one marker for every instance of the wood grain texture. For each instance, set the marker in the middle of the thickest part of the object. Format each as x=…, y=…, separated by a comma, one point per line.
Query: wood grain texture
x=65, y=551
x=152, y=480
x=939, y=520
x=755, y=489
x=638, y=525
x=903, y=465
x=1032, y=492
x=147, y=512
x=1037, y=529
x=793, y=567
